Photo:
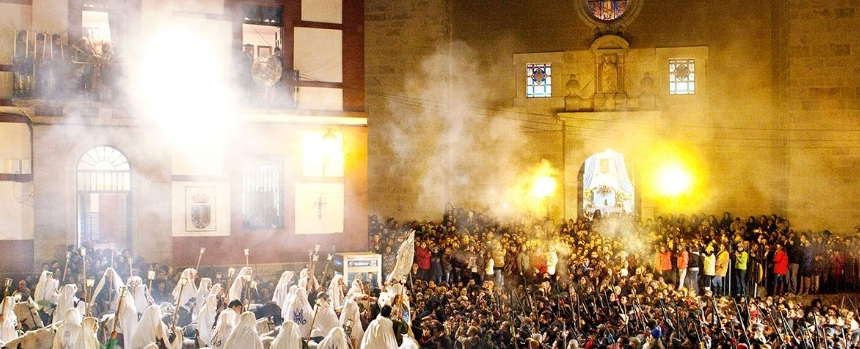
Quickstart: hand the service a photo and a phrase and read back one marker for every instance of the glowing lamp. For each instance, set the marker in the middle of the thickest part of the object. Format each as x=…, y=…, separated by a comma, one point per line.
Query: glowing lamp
x=218, y=275
x=83, y=251
x=246, y=252
x=203, y=249
x=230, y=272
x=150, y=275
x=90, y=282
x=183, y=281
x=247, y=277
x=8, y=282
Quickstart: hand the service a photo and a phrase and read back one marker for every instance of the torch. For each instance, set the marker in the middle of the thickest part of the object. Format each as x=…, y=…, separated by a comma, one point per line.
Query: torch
x=246, y=257
x=150, y=275
x=88, y=286
x=203, y=249
x=182, y=283
x=66, y=268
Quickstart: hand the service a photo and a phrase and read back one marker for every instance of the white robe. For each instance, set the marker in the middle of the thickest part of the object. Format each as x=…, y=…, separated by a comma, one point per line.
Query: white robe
x=299, y=311
x=325, y=319
x=202, y=292
x=188, y=291
x=239, y=283
x=206, y=318
x=379, y=334
x=282, y=289
x=336, y=339
x=350, y=311
x=289, y=337
x=335, y=291
x=67, y=301
x=7, y=328
x=127, y=317
x=87, y=338
x=227, y=320
x=150, y=329
x=141, y=296
x=217, y=289
x=111, y=283
x=68, y=332
x=47, y=289
x=245, y=335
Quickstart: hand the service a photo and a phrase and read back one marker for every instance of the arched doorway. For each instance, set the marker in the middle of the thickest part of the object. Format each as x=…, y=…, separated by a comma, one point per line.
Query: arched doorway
x=606, y=185
x=104, y=197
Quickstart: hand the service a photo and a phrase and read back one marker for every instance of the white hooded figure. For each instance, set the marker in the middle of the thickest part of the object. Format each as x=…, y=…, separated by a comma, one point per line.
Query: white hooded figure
x=150, y=329
x=202, y=292
x=245, y=335
x=206, y=318
x=336, y=339
x=189, y=290
x=227, y=320
x=379, y=334
x=289, y=337
x=216, y=290
x=48, y=288
x=110, y=284
x=283, y=287
x=127, y=317
x=299, y=311
x=87, y=338
x=351, y=313
x=10, y=320
x=140, y=292
x=355, y=291
x=551, y=261
x=239, y=283
x=324, y=318
x=67, y=301
x=68, y=332
x=335, y=291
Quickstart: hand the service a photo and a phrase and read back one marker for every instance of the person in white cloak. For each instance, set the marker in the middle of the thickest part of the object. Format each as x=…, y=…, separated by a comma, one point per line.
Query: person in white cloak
x=128, y=319
x=239, y=283
x=299, y=311
x=206, y=318
x=288, y=337
x=291, y=294
x=151, y=330
x=106, y=293
x=351, y=313
x=336, y=291
x=67, y=301
x=8, y=320
x=380, y=332
x=357, y=289
x=324, y=317
x=87, y=338
x=217, y=290
x=68, y=332
x=202, y=292
x=140, y=292
x=226, y=323
x=336, y=339
x=245, y=334
x=47, y=290
x=188, y=291
x=283, y=287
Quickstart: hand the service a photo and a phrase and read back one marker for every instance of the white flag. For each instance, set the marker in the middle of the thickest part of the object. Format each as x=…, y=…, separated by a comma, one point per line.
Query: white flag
x=405, y=256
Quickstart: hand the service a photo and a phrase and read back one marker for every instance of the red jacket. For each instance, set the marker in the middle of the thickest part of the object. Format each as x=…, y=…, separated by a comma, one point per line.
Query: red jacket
x=422, y=258
x=780, y=262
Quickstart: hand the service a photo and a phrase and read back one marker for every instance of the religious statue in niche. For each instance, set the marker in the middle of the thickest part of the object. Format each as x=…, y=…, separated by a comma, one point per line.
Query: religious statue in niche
x=609, y=73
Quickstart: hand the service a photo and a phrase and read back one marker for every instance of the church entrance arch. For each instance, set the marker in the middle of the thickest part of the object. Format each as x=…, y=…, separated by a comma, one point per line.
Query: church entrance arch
x=606, y=185
x=104, y=198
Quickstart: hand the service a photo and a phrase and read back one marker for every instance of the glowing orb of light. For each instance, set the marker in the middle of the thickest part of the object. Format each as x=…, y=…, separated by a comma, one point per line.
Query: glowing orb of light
x=543, y=186
x=673, y=180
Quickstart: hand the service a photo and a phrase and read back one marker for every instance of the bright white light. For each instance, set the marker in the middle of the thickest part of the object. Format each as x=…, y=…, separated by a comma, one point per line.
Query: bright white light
x=673, y=180
x=544, y=186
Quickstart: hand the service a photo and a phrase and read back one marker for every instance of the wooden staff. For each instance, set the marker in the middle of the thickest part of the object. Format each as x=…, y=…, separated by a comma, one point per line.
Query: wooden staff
x=182, y=283
x=246, y=258
x=151, y=276
x=112, y=342
x=66, y=269
x=203, y=249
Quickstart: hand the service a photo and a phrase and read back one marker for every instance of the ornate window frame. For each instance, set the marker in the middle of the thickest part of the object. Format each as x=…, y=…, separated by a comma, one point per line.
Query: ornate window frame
x=614, y=26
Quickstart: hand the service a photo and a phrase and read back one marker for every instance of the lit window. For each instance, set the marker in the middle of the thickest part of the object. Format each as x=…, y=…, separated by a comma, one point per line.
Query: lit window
x=538, y=80
x=682, y=77
x=261, y=184
x=607, y=10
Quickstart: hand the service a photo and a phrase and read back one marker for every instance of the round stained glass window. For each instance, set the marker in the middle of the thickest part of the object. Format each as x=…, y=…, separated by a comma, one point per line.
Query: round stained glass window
x=607, y=10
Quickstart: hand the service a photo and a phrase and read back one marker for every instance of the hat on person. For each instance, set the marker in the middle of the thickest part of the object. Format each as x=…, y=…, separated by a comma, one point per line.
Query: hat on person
x=656, y=333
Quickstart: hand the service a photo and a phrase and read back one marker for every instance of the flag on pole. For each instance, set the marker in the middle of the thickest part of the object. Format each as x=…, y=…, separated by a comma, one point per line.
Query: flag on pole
x=405, y=257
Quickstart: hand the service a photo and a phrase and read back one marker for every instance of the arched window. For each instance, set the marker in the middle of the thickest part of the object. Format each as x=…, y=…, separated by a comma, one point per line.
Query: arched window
x=103, y=192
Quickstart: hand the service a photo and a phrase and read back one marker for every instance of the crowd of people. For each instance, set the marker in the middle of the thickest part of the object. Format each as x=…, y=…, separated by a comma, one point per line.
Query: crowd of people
x=475, y=281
